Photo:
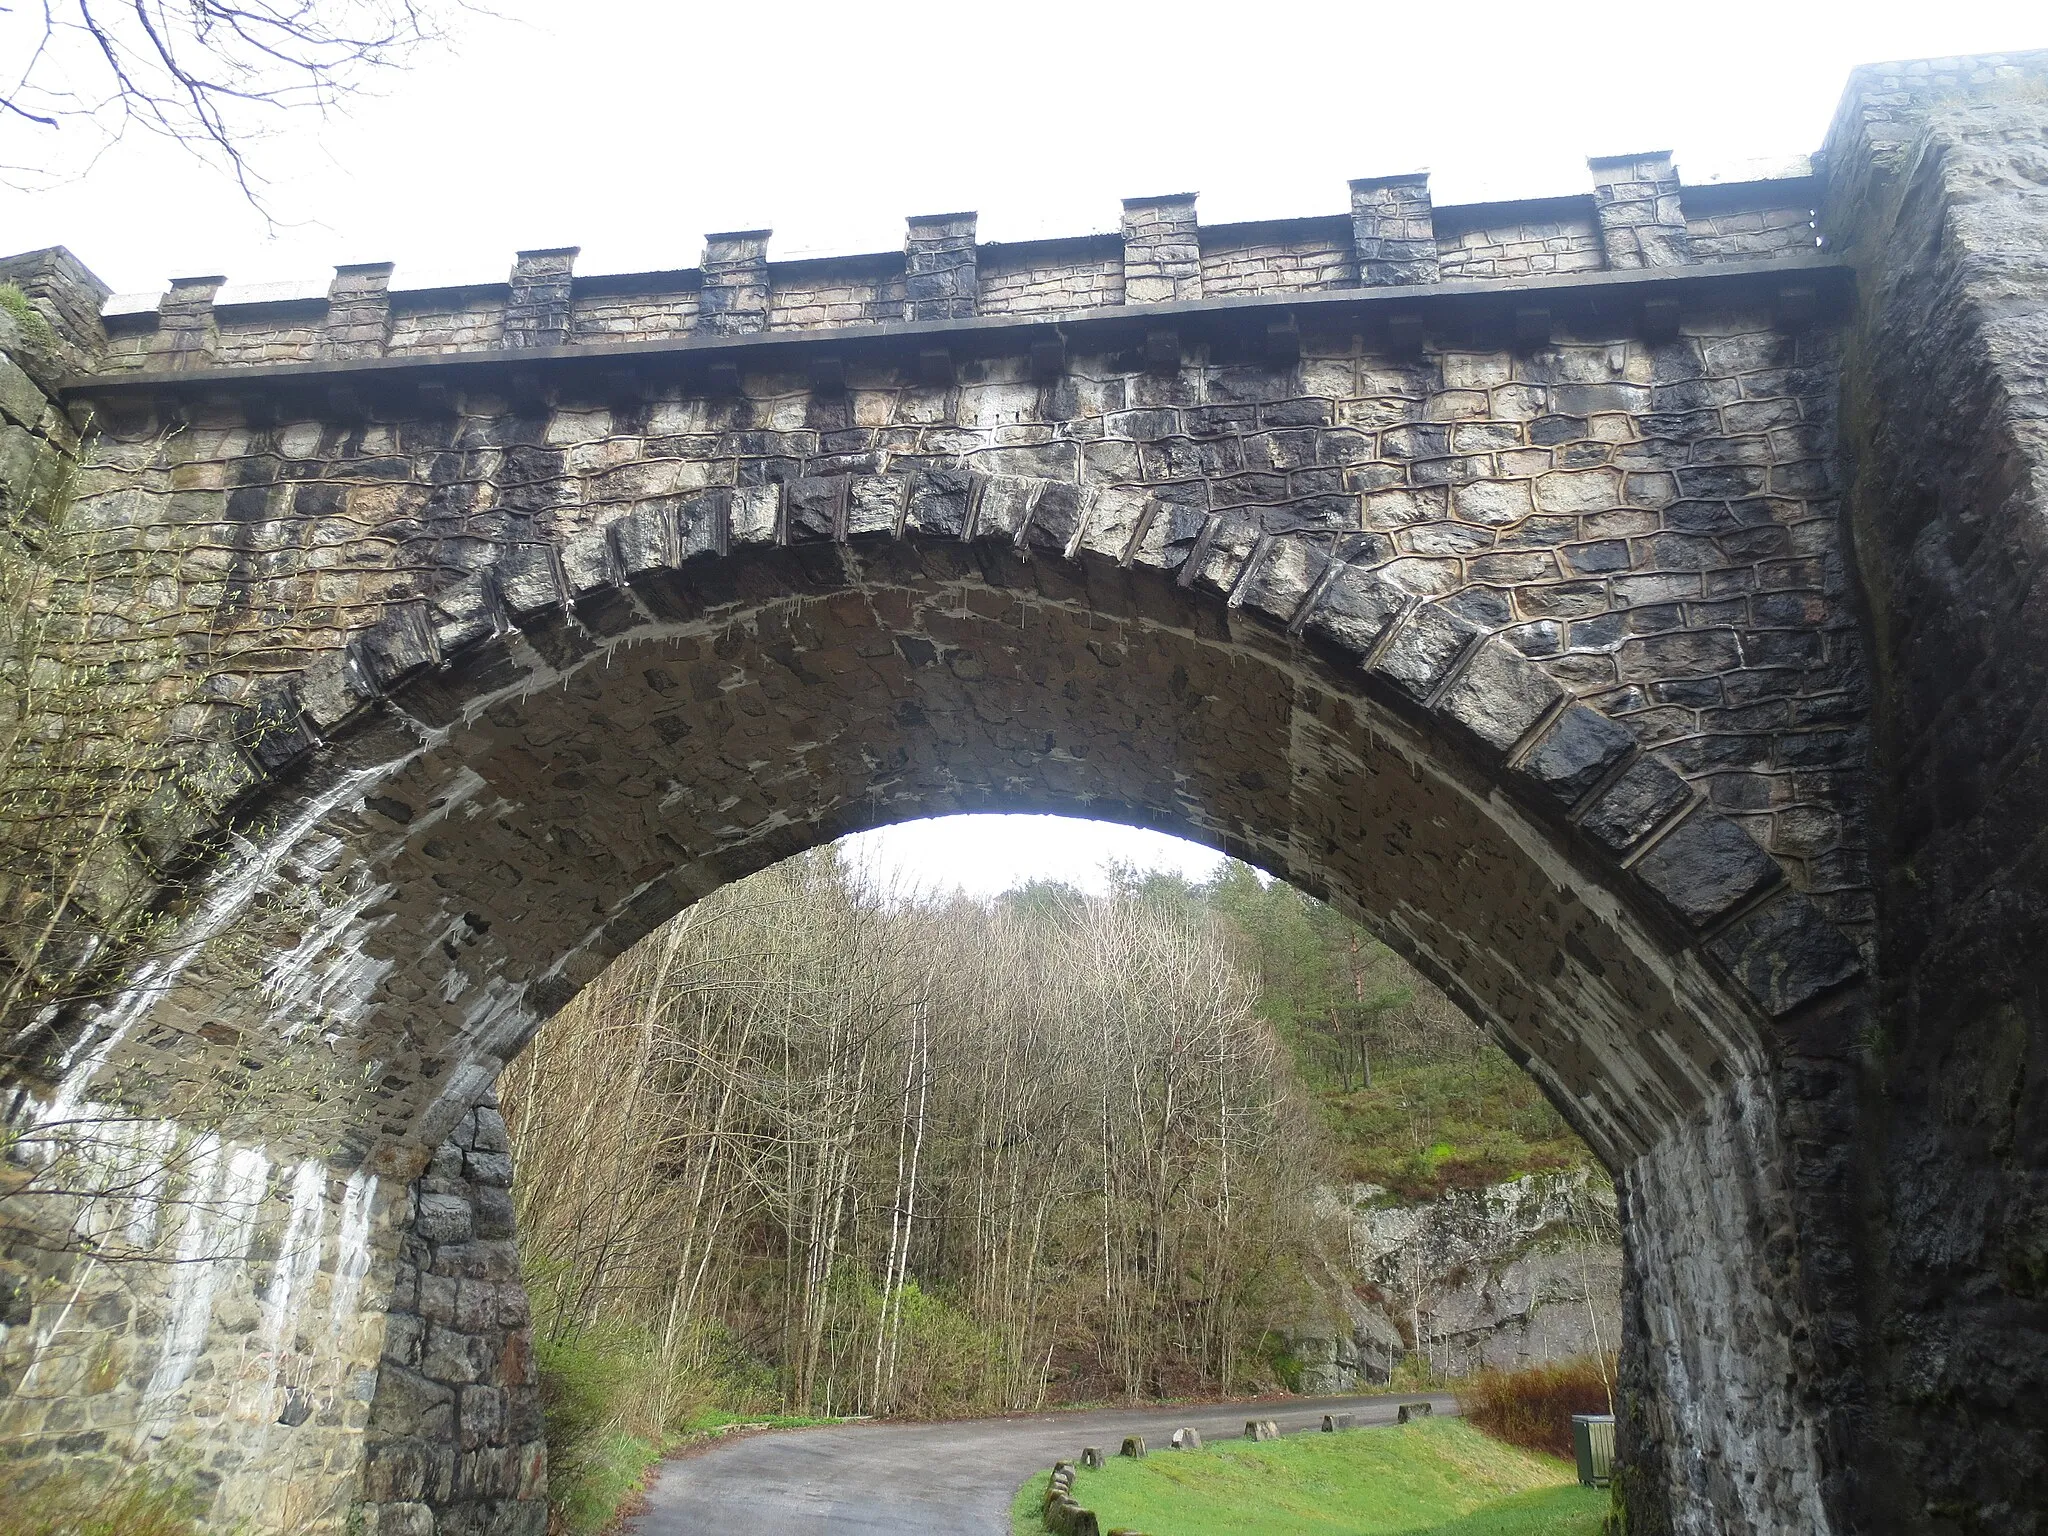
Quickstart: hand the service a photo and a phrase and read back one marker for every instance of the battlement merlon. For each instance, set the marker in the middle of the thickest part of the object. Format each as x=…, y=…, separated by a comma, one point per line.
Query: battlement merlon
x=1392, y=240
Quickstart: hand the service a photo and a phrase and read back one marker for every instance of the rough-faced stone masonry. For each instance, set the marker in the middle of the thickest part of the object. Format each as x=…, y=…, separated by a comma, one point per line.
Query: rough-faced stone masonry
x=1487, y=570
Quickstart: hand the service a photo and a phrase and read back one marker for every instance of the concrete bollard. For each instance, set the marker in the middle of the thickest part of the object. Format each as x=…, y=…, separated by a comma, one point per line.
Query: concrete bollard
x=1134, y=1447
x=1187, y=1440
x=1091, y=1458
x=1410, y=1412
x=1261, y=1429
x=1332, y=1422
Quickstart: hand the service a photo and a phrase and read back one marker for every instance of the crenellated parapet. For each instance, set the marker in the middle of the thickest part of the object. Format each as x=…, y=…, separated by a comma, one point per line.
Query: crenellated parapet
x=1638, y=217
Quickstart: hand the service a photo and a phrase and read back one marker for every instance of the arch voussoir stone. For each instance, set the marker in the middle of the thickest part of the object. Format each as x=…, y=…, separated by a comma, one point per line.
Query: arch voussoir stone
x=1505, y=710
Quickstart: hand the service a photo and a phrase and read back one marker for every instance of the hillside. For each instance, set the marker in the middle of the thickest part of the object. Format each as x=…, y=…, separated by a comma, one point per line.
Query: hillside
x=1415, y=1098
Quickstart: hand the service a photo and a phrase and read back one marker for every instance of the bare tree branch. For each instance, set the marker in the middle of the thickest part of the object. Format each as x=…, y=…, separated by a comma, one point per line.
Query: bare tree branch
x=215, y=77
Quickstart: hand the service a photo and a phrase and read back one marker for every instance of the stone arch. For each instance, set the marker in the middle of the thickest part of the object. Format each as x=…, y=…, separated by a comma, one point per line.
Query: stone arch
x=498, y=789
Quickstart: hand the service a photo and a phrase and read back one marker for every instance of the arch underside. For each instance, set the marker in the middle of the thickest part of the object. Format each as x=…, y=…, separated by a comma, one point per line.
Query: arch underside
x=531, y=814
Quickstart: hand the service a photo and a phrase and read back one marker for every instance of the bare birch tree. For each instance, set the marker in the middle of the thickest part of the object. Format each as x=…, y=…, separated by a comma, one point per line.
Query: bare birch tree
x=864, y=1142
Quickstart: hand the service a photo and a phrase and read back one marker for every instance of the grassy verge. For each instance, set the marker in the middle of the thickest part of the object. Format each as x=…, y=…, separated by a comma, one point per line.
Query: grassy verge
x=69, y=1502
x=1435, y=1478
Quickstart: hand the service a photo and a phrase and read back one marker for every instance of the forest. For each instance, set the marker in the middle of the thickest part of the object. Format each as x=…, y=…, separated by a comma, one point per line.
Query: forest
x=819, y=1148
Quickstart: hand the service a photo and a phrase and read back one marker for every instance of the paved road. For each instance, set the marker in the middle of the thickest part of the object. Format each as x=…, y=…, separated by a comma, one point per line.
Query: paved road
x=925, y=1479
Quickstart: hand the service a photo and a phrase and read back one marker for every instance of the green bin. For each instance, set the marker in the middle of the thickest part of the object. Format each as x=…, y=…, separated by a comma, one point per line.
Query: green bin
x=1593, y=1440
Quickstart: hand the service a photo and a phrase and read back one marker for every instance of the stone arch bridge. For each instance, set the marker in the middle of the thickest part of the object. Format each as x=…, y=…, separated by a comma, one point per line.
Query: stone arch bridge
x=1625, y=603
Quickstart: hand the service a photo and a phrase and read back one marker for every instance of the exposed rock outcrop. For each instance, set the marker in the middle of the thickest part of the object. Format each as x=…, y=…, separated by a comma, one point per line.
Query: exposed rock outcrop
x=1512, y=1275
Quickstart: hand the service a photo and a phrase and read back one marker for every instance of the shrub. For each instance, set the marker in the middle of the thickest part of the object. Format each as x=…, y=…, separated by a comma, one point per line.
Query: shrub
x=30, y=319
x=74, y=1502
x=599, y=1388
x=1533, y=1408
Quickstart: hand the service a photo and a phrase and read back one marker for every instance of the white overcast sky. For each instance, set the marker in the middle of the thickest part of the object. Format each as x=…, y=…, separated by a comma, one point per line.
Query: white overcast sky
x=630, y=129
x=983, y=855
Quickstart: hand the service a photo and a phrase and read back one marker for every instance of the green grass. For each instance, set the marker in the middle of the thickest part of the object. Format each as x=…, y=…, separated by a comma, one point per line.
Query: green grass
x=82, y=1502
x=608, y=1468
x=17, y=304
x=1436, y=1478
x=1426, y=1127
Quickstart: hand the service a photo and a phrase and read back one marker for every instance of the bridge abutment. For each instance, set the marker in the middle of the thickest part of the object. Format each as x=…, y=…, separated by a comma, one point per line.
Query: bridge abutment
x=1938, y=192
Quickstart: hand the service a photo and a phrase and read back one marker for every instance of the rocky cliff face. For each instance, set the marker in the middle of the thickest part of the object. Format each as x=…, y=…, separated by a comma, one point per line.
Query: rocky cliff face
x=1511, y=1275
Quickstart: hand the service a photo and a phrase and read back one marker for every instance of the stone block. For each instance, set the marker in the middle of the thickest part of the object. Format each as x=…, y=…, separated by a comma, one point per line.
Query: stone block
x=1355, y=609
x=646, y=542
x=491, y=1135
x=1498, y=698
x=273, y=731
x=1492, y=503
x=437, y=1297
x=1055, y=517
x=409, y=1404
x=1643, y=798
x=754, y=516
x=444, y=1219
x=1421, y=651
x=1114, y=518
x=815, y=507
x=1705, y=866
x=493, y=1216
x=22, y=401
x=476, y=1305
x=1785, y=954
x=939, y=503
x=1581, y=747
x=463, y=615
x=481, y=1420
x=527, y=581
x=455, y=1357
x=588, y=565
x=406, y=1519
x=493, y=1170
x=19, y=454
x=395, y=1470
x=1280, y=581
x=533, y=1473
x=395, y=647
x=403, y=1336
